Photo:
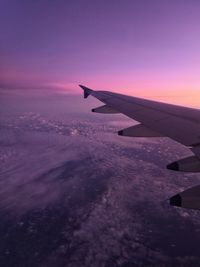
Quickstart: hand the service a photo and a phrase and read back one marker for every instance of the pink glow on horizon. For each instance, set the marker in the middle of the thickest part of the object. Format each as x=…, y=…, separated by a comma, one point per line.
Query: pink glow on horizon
x=148, y=49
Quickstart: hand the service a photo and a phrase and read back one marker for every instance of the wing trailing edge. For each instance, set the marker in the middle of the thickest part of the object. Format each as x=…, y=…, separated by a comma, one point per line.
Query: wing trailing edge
x=139, y=130
x=105, y=109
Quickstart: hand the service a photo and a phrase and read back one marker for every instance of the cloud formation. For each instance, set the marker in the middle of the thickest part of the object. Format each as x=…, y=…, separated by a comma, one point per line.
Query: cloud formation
x=77, y=194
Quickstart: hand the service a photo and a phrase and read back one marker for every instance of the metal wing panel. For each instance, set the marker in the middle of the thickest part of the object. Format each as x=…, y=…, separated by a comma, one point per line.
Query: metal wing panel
x=179, y=123
x=179, y=111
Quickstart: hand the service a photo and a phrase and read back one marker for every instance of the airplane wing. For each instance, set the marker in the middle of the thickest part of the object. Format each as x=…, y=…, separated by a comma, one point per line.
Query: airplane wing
x=179, y=123
x=157, y=119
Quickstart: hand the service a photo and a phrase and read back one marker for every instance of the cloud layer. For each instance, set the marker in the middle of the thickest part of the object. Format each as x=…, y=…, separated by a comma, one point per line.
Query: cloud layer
x=73, y=193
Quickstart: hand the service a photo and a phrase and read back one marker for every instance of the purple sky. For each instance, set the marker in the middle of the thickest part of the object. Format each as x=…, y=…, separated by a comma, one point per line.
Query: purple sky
x=142, y=47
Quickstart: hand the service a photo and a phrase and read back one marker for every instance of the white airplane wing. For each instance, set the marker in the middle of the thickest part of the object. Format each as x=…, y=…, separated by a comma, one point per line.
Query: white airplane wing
x=157, y=119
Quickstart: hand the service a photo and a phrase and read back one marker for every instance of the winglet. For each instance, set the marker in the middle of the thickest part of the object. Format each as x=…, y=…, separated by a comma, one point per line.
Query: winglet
x=87, y=91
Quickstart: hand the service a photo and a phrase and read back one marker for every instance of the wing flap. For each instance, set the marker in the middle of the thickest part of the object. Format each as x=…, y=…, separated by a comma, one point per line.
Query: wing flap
x=105, y=109
x=139, y=131
x=189, y=198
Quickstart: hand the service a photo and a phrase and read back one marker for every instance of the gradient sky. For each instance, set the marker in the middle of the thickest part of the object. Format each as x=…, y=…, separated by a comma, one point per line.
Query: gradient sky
x=145, y=48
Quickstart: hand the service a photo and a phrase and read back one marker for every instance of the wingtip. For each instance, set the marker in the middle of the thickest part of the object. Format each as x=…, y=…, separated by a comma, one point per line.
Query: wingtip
x=87, y=91
x=82, y=86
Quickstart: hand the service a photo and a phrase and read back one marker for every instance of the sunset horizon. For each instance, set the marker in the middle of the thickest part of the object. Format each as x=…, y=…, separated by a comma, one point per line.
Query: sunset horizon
x=99, y=133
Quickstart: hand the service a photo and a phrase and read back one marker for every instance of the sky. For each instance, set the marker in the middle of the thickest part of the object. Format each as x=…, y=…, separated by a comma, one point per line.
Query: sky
x=143, y=48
